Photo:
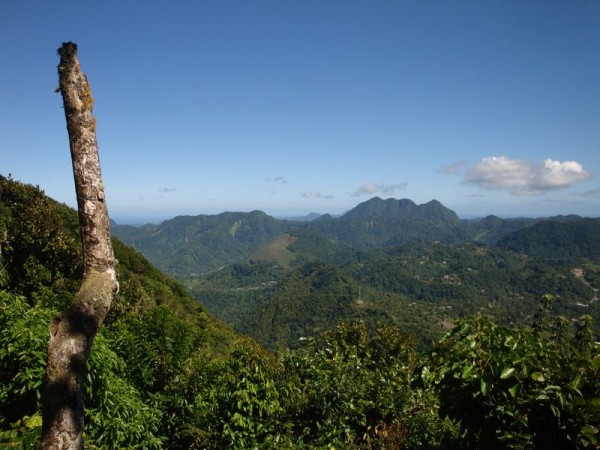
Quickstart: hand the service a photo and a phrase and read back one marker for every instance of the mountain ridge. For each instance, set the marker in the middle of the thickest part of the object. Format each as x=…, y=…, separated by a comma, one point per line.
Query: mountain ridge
x=400, y=208
x=187, y=245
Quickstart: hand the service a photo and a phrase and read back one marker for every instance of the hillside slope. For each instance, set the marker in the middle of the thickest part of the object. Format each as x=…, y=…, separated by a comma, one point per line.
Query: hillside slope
x=378, y=223
x=189, y=245
x=420, y=287
x=153, y=338
x=193, y=244
x=41, y=251
x=155, y=379
x=553, y=239
x=316, y=296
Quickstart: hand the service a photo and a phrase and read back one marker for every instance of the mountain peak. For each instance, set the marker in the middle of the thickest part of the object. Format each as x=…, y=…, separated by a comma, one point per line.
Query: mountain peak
x=400, y=209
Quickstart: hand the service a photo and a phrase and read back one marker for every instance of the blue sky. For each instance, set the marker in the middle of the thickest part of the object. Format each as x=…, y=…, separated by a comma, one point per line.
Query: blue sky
x=298, y=106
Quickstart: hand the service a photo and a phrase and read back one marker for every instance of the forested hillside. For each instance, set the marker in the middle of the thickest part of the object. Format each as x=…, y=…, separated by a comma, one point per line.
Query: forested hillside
x=442, y=271
x=553, y=239
x=189, y=245
x=164, y=374
x=378, y=223
x=154, y=334
x=196, y=244
x=423, y=288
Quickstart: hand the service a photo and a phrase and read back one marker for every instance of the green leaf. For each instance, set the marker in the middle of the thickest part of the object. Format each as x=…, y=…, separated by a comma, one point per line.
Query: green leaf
x=507, y=373
x=537, y=376
x=425, y=373
x=33, y=421
x=590, y=432
x=513, y=390
x=466, y=373
x=510, y=342
x=576, y=382
x=483, y=387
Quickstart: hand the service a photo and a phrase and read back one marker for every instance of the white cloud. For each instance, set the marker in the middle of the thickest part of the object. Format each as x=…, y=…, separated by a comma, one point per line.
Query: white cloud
x=522, y=177
x=367, y=189
x=385, y=189
x=312, y=194
x=452, y=169
x=277, y=180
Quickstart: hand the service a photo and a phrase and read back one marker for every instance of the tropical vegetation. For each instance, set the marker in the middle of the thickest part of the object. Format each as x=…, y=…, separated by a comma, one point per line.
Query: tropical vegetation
x=165, y=374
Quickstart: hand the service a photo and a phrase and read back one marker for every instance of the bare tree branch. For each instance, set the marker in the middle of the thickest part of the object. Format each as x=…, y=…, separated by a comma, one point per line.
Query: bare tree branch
x=72, y=333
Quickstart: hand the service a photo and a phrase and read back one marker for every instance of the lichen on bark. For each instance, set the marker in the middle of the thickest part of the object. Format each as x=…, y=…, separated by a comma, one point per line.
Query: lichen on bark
x=72, y=332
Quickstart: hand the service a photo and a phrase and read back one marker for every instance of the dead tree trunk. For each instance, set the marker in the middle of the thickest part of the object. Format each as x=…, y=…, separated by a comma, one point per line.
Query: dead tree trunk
x=72, y=333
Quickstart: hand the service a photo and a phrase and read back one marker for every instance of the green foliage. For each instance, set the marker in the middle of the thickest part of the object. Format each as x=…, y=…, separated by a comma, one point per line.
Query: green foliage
x=132, y=399
x=116, y=417
x=551, y=239
x=311, y=247
x=519, y=388
x=423, y=288
x=23, y=434
x=396, y=252
x=310, y=299
x=346, y=389
x=490, y=229
x=37, y=251
x=378, y=223
x=354, y=391
x=154, y=344
x=232, y=293
x=163, y=373
x=23, y=346
x=313, y=298
x=186, y=245
x=253, y=403
x=240, y=402
x=200, y=244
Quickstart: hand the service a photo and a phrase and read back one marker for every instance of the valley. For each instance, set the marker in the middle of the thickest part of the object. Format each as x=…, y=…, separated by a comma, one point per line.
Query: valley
x=417, y=267
x=373, y=345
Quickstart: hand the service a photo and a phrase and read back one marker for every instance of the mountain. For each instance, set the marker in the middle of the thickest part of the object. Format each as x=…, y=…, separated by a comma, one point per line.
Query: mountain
x=295, y=248
x=164, y=374
x=563, y=237
x=199, y=244
x=195, y=244
x=492, y=228
x=307, y=218
x=392, y=209
x=378, y=222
